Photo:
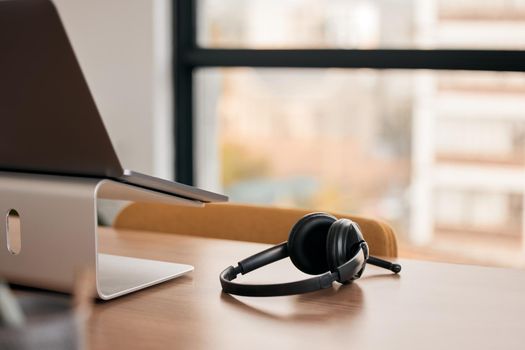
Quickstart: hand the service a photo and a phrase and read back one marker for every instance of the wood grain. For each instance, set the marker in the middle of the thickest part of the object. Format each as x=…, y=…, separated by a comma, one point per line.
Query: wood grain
x=428, y=306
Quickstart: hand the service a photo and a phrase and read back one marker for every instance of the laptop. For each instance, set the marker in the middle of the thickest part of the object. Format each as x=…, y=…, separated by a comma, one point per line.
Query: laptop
x=49, y=121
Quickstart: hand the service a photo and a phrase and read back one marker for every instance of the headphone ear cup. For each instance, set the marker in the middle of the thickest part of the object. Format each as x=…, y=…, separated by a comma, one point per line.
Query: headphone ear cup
x=307, y=243
x=342, y=242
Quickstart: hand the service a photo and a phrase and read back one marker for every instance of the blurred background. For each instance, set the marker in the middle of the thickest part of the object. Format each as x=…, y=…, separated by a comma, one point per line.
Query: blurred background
x=439, y=155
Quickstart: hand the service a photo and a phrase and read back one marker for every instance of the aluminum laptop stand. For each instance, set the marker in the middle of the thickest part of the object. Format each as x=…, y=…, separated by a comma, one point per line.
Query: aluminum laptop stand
x=58, y=231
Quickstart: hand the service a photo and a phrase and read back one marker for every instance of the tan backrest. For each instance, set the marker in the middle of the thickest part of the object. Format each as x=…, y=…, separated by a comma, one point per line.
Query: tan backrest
x=241, y=222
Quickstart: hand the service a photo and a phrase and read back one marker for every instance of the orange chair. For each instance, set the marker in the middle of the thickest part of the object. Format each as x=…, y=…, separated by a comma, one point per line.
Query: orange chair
x=241, y=222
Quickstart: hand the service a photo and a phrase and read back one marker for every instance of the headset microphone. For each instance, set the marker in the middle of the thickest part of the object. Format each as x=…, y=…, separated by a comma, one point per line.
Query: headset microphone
x=318, y=244
x=396, y=268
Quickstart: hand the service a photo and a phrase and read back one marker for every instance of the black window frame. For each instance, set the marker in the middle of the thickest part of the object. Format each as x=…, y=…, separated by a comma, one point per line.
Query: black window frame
x=188, y=57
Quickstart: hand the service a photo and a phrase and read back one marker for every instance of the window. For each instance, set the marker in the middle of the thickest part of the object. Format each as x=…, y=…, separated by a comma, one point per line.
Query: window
x=411, y=111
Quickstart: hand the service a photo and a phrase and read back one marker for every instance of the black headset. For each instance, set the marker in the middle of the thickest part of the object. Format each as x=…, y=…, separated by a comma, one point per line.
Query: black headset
x=318, y=244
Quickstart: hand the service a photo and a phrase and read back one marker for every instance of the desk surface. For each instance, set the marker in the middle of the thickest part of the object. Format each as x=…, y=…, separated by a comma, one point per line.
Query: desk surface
x=428, y=306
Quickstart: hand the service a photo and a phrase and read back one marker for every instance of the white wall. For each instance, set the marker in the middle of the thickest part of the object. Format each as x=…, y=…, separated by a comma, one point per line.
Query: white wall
x=124, y=50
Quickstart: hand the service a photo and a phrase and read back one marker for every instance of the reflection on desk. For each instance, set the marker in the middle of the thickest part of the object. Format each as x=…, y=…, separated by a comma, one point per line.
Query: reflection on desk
x=427, y=306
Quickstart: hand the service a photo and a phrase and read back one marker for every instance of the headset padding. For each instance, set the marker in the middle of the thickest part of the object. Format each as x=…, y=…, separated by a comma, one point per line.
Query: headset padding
x=307, y=243
x=342, y=242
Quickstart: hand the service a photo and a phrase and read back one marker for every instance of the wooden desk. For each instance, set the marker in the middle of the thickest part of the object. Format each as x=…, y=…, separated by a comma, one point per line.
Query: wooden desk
x=429, y=306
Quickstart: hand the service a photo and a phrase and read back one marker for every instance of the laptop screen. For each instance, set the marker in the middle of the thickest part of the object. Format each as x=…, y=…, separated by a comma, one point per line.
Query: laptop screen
x=49, y=120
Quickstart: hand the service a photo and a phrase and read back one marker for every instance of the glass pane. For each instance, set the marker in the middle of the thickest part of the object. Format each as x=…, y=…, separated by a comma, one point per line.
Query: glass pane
x=439, y=155
x=363, y=24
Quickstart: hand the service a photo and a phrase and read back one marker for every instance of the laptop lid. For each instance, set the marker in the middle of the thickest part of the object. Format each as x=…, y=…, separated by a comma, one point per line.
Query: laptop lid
x=48, y=119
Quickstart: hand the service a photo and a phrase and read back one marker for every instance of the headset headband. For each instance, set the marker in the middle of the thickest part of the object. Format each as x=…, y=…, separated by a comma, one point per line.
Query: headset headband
x=350, y=270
